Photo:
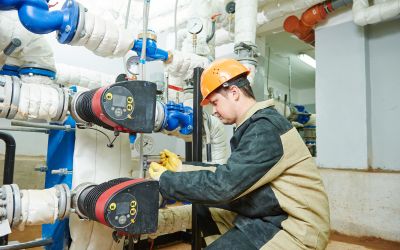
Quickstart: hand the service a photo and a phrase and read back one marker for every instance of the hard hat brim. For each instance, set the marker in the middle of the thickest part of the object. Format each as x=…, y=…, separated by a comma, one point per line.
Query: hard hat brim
x=204, y=102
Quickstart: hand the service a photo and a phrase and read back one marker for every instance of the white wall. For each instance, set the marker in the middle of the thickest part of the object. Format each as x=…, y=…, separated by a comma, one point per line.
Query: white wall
x=384, y=108
x=364, y=204
x=357, y=89
x=341, y=97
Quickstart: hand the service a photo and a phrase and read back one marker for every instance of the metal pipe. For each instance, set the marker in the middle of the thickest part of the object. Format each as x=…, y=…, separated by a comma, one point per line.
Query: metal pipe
x=38, y=125
x=188, y=151
x=26, y=130
x=290, y=79
x=29, y=244
x=9, y=157
x=9, y=160
x=197, y=148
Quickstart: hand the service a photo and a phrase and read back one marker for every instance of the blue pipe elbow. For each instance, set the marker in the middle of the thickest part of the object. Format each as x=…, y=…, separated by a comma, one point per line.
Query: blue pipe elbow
x=152, y=52
x=40, y=20
x=304, y=117
x=178, y=115
x=36, y=17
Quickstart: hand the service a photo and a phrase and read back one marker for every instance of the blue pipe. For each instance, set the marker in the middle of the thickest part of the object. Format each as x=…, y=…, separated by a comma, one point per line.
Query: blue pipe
x=9, y=70
x=177, y=115
x=152, y=52
x=302, y=118
x=36, y=17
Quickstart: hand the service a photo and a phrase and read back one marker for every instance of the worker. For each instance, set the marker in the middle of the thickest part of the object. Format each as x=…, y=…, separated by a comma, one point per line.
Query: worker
x=269, y=194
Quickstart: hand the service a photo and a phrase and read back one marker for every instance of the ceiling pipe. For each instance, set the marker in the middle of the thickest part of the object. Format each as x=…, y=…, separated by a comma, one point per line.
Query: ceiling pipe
x=303, y=28
x=279, y=8
x=364, y=14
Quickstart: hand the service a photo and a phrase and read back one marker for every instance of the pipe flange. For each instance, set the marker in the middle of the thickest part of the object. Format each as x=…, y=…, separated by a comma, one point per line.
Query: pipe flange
x=62, y=109
x=159, y=117
x=61, y=201
x=246, y=51
x=6, y=83
x=17, y=205
x=149, y=35
x=80, y=29
x=64, y=201
x=16, y=90
x=68, y=198
x=9, y=198
x=68, y=29
x=75, y=194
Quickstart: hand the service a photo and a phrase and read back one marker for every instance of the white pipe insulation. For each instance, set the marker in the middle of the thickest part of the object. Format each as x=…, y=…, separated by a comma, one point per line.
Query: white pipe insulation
x=245, y=21
x=364, y=14
x=70, y=75
x=29, y=99
x=280, y=8
x=34, y=49
x=103, y=37
x=38, y=207
x=179, y=69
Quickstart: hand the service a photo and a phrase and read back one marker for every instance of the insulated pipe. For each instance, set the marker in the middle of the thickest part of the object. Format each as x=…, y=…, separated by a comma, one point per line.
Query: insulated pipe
x=280, y=8
x=36, y=17
x=9, y=157
x=68, y=75
x=33, y=47
x=27, y=98
x=245, y=21
x=364, y=14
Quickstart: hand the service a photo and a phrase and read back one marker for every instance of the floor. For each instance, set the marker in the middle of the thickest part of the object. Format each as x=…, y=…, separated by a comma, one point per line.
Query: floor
x=337, y=242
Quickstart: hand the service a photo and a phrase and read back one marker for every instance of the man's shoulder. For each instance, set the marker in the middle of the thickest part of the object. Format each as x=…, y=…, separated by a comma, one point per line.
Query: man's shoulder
x=271, y=118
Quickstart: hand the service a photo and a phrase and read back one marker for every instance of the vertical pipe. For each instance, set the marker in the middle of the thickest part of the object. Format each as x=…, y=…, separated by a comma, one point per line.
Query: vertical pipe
x=290, y=80
x=188, y=151
x=8, y=175
x=197, y=148
x=9, y=157
x=146, y=9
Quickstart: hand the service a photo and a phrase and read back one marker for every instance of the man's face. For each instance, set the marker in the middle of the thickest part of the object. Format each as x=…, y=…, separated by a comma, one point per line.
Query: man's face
x=223, y=106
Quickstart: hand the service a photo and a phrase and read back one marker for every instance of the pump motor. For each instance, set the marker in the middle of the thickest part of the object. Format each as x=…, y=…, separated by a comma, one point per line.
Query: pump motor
x=127, y=106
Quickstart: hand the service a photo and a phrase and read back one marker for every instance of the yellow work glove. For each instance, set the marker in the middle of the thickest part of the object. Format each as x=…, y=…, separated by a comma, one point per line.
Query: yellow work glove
x=156, y=170
x=170, y=161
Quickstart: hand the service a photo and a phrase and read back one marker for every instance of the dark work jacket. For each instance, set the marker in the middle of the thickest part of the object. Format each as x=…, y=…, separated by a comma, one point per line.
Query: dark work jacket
x=270, y=180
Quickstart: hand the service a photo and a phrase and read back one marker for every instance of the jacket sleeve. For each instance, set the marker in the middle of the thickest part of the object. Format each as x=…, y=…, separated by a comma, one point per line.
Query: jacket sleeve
x=259, y=149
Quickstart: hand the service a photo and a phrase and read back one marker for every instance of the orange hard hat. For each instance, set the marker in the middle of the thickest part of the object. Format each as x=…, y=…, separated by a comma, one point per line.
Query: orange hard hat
x=218, y=73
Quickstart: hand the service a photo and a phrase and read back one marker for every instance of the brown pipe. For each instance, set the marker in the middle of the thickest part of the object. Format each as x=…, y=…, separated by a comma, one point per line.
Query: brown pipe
x=304, y=28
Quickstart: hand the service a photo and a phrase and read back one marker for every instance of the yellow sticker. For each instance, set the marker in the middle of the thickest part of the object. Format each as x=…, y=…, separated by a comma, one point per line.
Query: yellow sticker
x=133, y=211
x=109, y=96
x=133, y=203
x=113, y=206
x=130, y=99
x=133, y=221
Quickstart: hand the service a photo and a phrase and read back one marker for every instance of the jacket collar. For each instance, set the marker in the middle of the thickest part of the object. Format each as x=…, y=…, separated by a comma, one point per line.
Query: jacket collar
x=256, y=107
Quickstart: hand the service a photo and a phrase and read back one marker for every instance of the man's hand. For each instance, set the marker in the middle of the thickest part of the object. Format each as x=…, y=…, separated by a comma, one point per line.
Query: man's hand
x=156, y=170
x=170, y=161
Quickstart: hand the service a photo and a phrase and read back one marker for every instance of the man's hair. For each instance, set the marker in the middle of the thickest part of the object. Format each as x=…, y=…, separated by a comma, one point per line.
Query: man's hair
x=242, y=83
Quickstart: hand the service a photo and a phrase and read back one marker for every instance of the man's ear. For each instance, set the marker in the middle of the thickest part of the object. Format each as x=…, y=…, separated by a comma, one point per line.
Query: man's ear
x=235, y=91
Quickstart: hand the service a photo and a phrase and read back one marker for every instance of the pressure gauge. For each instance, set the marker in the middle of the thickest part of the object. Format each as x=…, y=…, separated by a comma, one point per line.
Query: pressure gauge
x=132, y=65
x=148, y=144
x=194, y=25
